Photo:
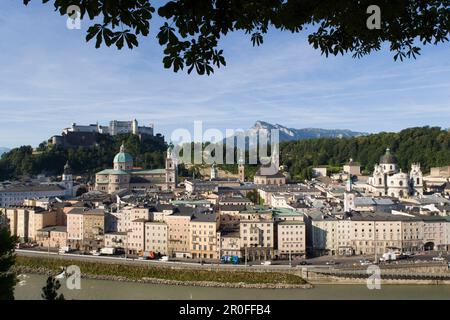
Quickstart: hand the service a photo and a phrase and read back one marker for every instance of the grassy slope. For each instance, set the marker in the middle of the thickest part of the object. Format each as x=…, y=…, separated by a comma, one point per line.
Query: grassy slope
x=139, y=272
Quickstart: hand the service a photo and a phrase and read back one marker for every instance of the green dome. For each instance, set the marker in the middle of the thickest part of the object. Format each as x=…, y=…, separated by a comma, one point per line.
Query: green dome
x=122, y=156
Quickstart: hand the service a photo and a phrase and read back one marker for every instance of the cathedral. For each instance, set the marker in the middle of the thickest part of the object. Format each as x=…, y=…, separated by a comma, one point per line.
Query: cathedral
x=388, y=180
x=124, y=175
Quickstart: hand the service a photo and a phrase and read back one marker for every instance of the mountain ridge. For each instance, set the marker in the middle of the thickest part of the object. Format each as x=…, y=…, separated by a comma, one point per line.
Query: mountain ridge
x=292, y=134
x=3, y=150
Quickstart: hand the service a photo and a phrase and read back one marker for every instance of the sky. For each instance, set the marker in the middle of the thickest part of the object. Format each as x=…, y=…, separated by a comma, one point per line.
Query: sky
x=50, y=78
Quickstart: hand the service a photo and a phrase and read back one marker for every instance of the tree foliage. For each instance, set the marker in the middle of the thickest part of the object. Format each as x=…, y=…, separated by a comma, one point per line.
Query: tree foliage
x=23, y=161
x=429, y=146
x=7, y=259
x=191, y=29
x=50, y=291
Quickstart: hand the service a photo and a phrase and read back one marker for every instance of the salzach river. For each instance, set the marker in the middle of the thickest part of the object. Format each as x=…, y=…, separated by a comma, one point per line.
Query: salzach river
x=30, y=288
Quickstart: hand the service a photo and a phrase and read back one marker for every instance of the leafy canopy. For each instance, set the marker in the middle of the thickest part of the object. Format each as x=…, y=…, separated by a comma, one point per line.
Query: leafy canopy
x=7, y=259
x=50, y=291
x=192, y=29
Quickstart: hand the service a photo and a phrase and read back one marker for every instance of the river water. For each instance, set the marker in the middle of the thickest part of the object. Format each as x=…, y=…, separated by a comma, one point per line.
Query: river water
x=30, y=288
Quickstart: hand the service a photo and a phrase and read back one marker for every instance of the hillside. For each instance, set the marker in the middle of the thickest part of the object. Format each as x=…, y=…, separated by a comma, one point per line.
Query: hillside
x=430, y=146
x=83, y=160
x=3, y=150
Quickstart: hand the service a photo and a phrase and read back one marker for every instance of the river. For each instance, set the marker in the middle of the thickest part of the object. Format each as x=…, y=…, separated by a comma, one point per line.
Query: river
x=30, y=286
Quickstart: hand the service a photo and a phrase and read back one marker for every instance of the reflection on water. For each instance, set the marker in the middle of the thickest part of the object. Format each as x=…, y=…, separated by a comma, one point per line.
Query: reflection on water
x=29, y=287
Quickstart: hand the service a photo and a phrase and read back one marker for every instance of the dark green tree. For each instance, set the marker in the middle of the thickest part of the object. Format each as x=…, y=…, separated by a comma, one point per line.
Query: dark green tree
x=429, y=146
x=7, y=259
x=50, y=291
x=148, y=153
x=191, y=29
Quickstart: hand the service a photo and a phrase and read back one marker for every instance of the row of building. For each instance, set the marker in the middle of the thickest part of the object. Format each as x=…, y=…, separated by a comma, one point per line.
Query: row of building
x=196, y=229
x=182, y=231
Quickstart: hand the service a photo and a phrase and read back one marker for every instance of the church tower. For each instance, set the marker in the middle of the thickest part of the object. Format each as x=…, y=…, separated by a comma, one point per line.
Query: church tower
x=214, y=173
x=241, y=169
x=67, y=179
x=134, y=127
x=171, y=169
x=416, y=179
x=349, y=201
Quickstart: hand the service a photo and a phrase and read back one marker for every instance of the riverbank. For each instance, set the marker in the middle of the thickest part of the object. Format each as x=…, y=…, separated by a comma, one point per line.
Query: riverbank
x=162, y=275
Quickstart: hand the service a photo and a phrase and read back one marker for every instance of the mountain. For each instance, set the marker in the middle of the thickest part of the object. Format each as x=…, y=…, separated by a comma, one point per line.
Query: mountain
x=3, y=150
x=291, y=134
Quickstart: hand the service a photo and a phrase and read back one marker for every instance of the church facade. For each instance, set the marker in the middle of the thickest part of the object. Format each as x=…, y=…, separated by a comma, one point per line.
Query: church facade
x=389, y=180
x=124, y=175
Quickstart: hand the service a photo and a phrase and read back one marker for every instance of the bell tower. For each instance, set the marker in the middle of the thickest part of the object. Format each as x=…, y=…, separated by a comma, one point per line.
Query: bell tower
x=171, y=169
x=241, y=168
x=67, y=179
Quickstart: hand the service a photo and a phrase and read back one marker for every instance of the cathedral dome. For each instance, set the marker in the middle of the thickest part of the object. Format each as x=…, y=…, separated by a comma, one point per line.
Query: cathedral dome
x=123, y=156
x=388, y=158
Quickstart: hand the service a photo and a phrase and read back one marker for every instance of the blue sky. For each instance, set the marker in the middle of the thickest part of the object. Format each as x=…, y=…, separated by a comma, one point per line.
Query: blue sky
x=50, y=77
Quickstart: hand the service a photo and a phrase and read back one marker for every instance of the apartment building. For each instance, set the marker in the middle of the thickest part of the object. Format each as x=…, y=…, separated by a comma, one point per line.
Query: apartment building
x=156, y=237
x=53, y=237
x=322, y=234
x=136, y=238
x=230, y=243
x=24, y=221
x=204, y=240
x=229, y=216
x=85, y=228
x=256, y=230
x=116, y=240
x=291, y=240
x=435, y=232
x=178, y=234
x=126, y=216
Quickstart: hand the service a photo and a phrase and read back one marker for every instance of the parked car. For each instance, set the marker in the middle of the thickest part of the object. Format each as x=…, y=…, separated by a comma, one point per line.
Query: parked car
x=266, y=263
x=304, y=263
x=95, y=252
x=330, y=263
x=439, y=258
x=64, y=249
x=364, y=262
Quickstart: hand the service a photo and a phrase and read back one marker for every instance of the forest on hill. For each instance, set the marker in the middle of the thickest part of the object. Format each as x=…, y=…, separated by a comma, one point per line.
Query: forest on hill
x=429, y=146
x=50, y=160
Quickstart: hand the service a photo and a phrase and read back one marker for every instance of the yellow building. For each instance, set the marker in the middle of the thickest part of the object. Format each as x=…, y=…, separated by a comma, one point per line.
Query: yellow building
x=85, y=228
x=156, y=237
x=24, y=221
x=256, y=230
x=203, y=236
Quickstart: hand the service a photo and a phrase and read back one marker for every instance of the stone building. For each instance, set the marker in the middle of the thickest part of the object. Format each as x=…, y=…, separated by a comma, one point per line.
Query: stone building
x=352, y=168
x=85, y=228
x=388, y=179
x=125, y=176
